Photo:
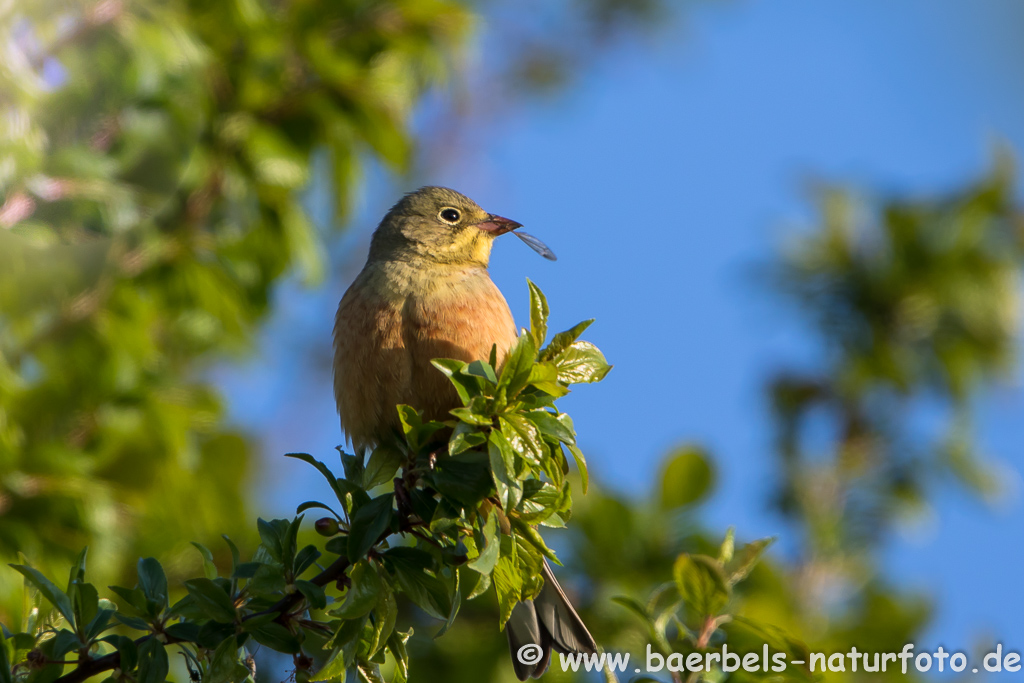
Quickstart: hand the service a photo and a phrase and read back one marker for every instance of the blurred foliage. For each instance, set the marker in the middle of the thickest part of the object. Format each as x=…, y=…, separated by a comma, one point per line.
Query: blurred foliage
x=459, y=518
x=151, y=158
x=549, y=43
x=917, y=304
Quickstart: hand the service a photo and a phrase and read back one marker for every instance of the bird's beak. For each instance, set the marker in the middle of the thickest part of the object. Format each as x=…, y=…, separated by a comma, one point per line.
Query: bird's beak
x=498, y=225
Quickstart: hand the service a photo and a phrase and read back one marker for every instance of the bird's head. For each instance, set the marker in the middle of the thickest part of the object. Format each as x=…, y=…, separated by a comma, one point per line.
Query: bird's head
x=438, y=225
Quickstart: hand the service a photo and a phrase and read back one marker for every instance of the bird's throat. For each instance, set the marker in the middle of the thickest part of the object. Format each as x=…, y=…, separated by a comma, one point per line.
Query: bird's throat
x=398, y=281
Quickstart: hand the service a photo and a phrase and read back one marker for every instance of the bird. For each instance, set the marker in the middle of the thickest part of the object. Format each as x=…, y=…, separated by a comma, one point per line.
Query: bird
x=425, y=293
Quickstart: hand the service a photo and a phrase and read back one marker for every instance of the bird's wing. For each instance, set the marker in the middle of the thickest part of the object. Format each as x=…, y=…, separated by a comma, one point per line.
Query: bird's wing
x=371, y=365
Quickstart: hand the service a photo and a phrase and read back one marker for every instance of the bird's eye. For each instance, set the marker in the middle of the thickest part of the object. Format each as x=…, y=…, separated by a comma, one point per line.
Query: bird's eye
x=450, y=216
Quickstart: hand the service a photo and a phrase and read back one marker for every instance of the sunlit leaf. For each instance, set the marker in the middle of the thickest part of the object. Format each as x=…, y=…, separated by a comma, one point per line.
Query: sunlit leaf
x=368, y=523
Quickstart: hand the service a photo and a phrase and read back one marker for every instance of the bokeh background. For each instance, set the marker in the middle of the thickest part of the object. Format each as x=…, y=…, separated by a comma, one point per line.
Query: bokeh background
x=796, y=224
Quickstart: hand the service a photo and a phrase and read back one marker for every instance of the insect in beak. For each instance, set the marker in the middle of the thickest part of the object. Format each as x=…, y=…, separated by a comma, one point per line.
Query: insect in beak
x=536, y=245
x=499, y=226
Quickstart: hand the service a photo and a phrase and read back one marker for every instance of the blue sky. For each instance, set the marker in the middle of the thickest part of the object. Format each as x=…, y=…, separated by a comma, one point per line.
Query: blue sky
x=661, y=178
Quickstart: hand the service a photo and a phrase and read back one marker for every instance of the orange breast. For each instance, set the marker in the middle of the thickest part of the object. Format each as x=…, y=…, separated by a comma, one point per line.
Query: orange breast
x=383, y=345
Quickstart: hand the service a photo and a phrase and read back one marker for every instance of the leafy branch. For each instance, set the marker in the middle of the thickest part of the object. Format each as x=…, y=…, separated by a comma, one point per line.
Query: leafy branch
x=455, y=512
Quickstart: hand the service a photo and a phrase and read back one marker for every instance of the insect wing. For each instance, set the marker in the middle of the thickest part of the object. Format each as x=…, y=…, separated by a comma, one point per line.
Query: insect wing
x=536, y=245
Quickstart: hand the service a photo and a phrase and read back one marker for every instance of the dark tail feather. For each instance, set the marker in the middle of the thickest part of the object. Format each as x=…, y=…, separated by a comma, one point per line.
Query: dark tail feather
x=547, y=622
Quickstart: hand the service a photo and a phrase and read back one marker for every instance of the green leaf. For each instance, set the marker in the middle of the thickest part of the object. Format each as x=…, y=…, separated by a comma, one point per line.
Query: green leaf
x=530, y=534
x=423, y=503
x=480, y=369
x=508, y=582
x=455, y=595
x=153, y=665
x=86, y=604
x=544, y=376
x=362, y=595
x=530, y=562
x=396, y=645
x=268, y=581
x=224, y=665
x=417, y=432
x=278, y=538
x=313, y=593
x=523, y=436
x=333, y=668
x=315, y=504
x=502, y=459
x=515, y=373
x=337, y=545
x=235, y=555
x=100, y=622
x=701, y=585
x=152, y=580
x=468, y=416
x=353, y=466
x=246, y=570
x=213, y=633
x=465, y=437
x=452, y=369
x=77, y=574
x=368, y=524
x=745, y=559
x=551, y=426
x=273, y=535
x=385, y=615
x=304, y=559
x=488, y=544
x=415, y=573
x=5, y=661
x=581, y=464
x=345, y=643
x=369, y=673
x=581, y=362
x=132, y=622
x=209, y=568
x=687, y=478
x=53, y=595
x=384, y=463
x=211, y=599
x=184, y=630
x=563, y=340
x=64, y=642
x=538, y=315
x=483, y=582
x=506, y=454
x=465, y=477
x=542, y=501
x=341, y=488
x=277, y=638
x=127, y=650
